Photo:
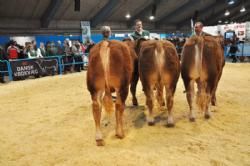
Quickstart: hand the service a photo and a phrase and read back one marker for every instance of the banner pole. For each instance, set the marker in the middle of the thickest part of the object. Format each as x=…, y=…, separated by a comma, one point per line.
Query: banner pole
x=9, y=71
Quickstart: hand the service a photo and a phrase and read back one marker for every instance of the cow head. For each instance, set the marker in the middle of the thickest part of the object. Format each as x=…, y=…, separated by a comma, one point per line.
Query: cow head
x=138, y=44
x=131, y=44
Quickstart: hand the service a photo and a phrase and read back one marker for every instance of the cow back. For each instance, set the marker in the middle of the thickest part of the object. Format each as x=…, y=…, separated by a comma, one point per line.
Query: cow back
x=159, y=60
x=110, y=66
x=202, y=58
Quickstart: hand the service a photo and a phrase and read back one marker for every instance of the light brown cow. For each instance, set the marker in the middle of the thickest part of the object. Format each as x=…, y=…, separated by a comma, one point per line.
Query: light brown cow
x=110, y=69
x=159, y=68
x=202, y=62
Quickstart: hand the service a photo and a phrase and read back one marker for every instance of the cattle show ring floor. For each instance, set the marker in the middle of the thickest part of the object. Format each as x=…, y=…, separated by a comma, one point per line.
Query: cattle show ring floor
x=49, y=122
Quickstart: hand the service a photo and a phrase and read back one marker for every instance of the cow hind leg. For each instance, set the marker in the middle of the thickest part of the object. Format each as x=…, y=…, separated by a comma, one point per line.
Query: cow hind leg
x=169, y=101
x=210, y=98
x=159, y=95
x=108, y=106
x=134, y=82
x=213, y=99
x=107, y=102
x=121, y=96
x=96, y=108
x=189, y=86
x=204, y=98
x=149, y=102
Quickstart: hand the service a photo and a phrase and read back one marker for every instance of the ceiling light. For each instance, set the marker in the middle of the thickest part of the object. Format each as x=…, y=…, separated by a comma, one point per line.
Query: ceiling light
x=230, y=2
x=219, y=21
x=128, y=16
x=151, y=17
x=243, y=9
x=227, y=13
x=226, y=22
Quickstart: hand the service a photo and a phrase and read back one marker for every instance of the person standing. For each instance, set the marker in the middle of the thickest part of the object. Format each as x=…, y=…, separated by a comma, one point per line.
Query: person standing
x=139, y=31
x=13, y=50
x=77, y=54
x=67, y=58
x=106, y=32
x=198, y=29
x=233, y=49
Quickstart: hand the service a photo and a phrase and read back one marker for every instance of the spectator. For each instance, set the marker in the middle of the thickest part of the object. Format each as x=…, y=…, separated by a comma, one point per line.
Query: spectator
x=42, y=49
x=68, y=58
x=22, y=54
x=37, y=50
x=13, y=50
x=232, y=51
x=59, y=48
x=88, y=44
x=77, y=53
x=31, y=51
x=51, y=49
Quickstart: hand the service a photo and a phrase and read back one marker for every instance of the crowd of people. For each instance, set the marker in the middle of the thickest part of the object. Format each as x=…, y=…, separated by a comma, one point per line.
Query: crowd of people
x=12, y=50
x=70, y=51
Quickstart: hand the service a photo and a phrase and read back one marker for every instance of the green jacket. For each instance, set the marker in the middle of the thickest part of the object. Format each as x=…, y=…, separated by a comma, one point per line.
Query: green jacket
x=136, y=35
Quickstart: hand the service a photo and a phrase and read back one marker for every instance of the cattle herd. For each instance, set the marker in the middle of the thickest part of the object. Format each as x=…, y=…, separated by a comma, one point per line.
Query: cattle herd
x=114, y=66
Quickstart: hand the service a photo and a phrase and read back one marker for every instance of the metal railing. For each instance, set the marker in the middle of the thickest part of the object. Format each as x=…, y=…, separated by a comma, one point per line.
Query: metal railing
x=9, y=71
x=243, y=50
x=58, y=58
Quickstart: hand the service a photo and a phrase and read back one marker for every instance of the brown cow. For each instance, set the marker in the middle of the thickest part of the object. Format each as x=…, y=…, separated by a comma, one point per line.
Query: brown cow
x=159, y=68
x=202, y=62
x=110, y=69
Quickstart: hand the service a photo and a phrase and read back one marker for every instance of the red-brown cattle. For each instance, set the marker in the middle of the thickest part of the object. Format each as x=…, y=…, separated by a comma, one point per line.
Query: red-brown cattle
x=202, y=63
x=110, y=69
x=159, y=68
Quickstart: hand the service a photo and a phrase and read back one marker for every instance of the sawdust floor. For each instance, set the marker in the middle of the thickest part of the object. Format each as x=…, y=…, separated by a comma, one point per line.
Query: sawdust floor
x=49, y=122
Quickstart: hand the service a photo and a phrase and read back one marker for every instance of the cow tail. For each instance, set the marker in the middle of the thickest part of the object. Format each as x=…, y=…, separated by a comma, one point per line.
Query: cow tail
x=159, y=57
x=202, y=96
x=105, y=59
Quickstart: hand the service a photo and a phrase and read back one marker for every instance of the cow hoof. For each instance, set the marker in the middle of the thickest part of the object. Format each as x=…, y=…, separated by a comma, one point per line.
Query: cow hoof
x=192, y=119
x=135, y=103
x=170, y=125
x=120, y=136
x=151, y=123
x=100, y=142
x=213, y=103
x=207, y=116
